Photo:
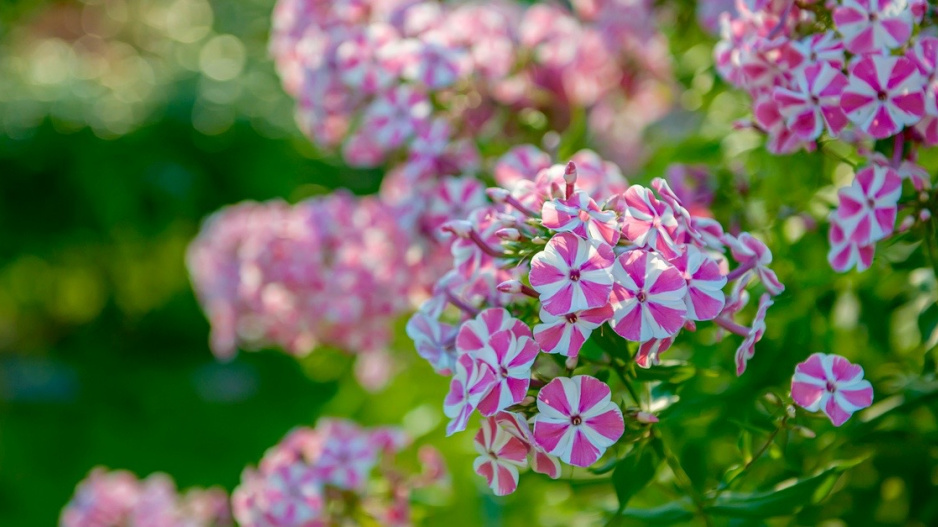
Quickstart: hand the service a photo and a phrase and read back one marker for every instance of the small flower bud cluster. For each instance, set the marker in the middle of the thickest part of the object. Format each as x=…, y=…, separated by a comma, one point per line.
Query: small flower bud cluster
x=428, y=80
x=326, y=476
x=595, y=252
x=857, y=71
x=334, y=270
x=118, y=499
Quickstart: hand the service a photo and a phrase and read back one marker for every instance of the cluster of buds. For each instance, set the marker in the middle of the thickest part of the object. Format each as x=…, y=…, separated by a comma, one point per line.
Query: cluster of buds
x=119, y=499
x=858, y=71
x=334, y=271
x=332, y=474
x=641, y=263
x=428, y=80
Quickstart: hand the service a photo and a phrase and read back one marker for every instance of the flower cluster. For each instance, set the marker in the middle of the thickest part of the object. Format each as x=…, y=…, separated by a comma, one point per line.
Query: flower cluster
x=326, y=475
x=427, y=80
x=334, y=271
x=630, y=257
x=856, y=70
x=119, y=499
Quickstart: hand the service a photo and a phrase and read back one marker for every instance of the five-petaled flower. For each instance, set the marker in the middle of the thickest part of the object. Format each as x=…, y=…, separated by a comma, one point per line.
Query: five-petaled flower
x=500, y=456
x=577, y=420
x=571, y=274
x=510, y=358
x=832, y=384
x=885, y=94
x=581, y=216
x=647, y=296
x=565, y=334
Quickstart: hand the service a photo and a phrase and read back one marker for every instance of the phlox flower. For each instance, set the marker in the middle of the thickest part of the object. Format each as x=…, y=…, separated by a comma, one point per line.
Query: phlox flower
x=751, y=252
x=885, y=94
x=747, y=349
x=596, y=176
x=581, y=216
x=359, y=58
x=705, y=298
x=813, y=102
x=286, y=497
x=781, y=139
x=454, y=198
x=434, y=341
x=500, y=456
x=820, y=48
x=867, y=209
x=510, y=358
x=347, y=457
x=832, y=384
x=571, y=274
x=871, y=25
x=395, y=115
x=540, y=461
x=647, y=222
x=925, y=55
x=647, y=296
x=577, y=420
x=471, y=380
x=522, y=162
x=844, y=252
x=565, y=334
x=437, y=66
x=474, y=334
x=649, y=351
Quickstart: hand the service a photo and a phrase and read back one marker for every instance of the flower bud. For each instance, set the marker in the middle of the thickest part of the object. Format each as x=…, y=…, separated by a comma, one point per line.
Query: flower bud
x=509, y=286
x=790, y=410
x=460, y=228
x=924, y=215
x=497, y=194
x=805, y=432
x=906, y=224
x=508, y=234
x=539, y=241
x=528, y=400
x=645, y=417
x=571, y=362
x=569, y=173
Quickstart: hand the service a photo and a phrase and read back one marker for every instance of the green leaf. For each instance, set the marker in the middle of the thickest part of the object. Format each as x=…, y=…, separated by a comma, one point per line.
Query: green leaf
x=928, y=321
x=783, y=501
x=674, y=372
x=633, y=473
x=681, y=510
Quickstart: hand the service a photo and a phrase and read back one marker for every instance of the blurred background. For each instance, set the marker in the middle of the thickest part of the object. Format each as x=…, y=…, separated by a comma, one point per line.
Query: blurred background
x=124, y=122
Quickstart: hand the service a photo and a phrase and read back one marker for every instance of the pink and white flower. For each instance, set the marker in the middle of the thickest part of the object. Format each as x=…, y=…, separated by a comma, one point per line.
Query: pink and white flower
x=872, y=25
x=565, y=334
x=474, y=334
x=813, y=102
x=747, y=349
x=647, y=296
x=581, y=216
x=471, y=380
x=500, y=456
x=647, y=222
x=347, y=455
x=753, y=254
x=867, y=209
x=395, y=115
x=540, y=461
x=818, y=48
x=511, y=359
x=832, y=384
x=705, y=298
x=844, y=253
x=520, y=163
x=650, y=350
x=885, y=93
x=571, y=274
x=577, y=420
x=434, y=340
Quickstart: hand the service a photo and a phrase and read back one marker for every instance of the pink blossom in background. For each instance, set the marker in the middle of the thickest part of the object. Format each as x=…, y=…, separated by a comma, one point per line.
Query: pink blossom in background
x=831, y=384
x=520, y=163
x=572, y=275
x=577, y=421
x=647, y=297
x=435, y=341
x=295, y=483
x=119, y=499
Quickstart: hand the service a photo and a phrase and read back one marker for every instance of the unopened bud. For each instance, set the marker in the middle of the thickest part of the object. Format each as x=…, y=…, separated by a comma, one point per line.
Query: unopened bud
x=571, y=362
x=645, y=417
x=791, y=411
x=509, y=234
x=539, y=241
x=460, y=228
x=509, y=286
x=497, y=194
x=569, y=173
x=772, y=399
x=924, y=215
x=805, y=432
x=528, y=400
x=906, y=224
x=507, y=220
x=690, y=325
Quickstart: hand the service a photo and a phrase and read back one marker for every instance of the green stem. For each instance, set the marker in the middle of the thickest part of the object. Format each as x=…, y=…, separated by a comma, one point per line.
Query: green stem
x=621, y=373
x=765, y=447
